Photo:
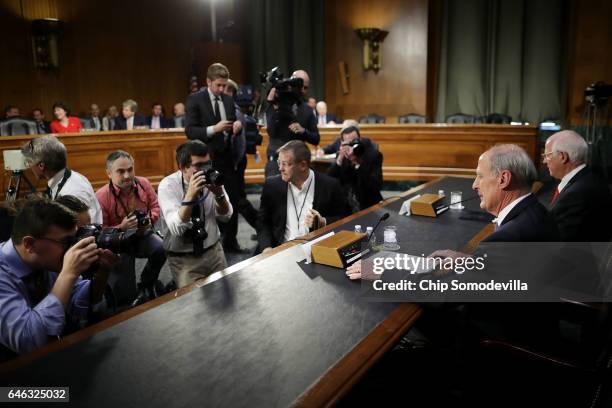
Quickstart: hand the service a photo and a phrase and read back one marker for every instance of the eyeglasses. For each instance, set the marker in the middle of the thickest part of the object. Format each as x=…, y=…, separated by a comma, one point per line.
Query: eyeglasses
x=546, y=155
x=284, y=163
x=64, y=242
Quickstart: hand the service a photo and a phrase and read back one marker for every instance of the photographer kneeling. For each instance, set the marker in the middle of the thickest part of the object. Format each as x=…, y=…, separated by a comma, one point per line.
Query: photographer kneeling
x=40, y=283
x=129, y=203
x=359, y=169
x=192, y=200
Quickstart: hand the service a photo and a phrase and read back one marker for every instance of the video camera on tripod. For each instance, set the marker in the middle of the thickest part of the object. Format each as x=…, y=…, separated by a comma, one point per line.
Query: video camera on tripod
x=14, y=161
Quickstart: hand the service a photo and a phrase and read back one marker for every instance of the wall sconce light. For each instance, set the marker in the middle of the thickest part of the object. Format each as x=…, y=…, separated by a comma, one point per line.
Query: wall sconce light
x=45, y=43
x=372, y=55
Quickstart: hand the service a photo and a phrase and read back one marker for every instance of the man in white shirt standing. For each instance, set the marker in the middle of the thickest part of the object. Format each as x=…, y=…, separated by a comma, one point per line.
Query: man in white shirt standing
x=46, y=157
x=191, y=203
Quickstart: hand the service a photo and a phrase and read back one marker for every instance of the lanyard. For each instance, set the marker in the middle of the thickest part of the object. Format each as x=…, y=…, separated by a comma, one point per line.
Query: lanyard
x=303, y=202
x=67, y=175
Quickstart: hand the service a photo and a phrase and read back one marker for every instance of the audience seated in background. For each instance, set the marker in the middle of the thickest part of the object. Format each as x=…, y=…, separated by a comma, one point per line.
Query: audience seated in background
x=10, y=112
x=120, y=200
x=179, y=115
x=41, y=289
x=324, y=117
x=358, y=167
x=42, y=126
x=158, y=120
x=312, y=103
x=581, y=203
x=94, y=117
x=128, y=120
x=64, y=123
x=297, y=200
x=190, y=210
x=108, y=121
x=46, y=157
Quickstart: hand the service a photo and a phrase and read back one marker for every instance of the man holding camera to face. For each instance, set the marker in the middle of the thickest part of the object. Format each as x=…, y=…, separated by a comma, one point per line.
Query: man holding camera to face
x=129, y=203
x=41, y=289
x=192, y=200
x=288, y=116
x=359, y=169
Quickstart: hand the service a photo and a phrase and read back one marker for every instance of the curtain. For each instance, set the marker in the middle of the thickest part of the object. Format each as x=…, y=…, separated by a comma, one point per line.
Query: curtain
x=502, y=56
x=290, y=35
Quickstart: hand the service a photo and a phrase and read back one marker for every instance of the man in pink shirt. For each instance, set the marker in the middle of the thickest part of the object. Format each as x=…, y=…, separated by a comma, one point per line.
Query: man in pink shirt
x=129, y=202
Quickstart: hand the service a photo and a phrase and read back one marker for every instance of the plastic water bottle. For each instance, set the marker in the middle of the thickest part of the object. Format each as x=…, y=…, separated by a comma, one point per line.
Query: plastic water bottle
x=371, y=239
x=441, y=193
x=358, y=228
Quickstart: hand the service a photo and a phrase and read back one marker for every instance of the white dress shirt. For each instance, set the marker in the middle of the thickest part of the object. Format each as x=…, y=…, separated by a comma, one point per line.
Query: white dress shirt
x=155, y=122
x=171, y=192
x=129, y=123
x=566, y=179
x=96, y=123
x=77, y=185
x=504, y=213
x=209, y=129
x=299, y=200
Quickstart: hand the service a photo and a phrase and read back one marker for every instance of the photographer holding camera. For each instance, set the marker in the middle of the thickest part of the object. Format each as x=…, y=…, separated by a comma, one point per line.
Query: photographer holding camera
x=128, y=203
x=41, y=289
x=192, y=200
x=359, y=169
x=288, y=116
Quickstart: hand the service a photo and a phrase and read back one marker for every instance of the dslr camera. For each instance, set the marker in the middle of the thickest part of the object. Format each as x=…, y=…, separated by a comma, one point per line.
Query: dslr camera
x=211, y=175
x=113, y=239
x=142, y=217
x=357, y=147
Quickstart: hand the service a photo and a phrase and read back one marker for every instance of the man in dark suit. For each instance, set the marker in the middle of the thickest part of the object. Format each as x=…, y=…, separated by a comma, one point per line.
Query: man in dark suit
x=301, y=124
x=358, y=167
x=128, y=120
x=324, y=117
x=95, y=118
x=42, y=126
x=581, y=203
x=158, y=120
x=211, y=117
x=298, y=200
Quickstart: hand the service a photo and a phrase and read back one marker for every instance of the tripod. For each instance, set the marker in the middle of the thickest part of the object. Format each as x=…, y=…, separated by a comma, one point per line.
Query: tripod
x=12, y=192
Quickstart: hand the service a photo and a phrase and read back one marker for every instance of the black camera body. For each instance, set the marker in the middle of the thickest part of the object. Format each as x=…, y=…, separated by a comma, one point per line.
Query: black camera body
x=288, y=90
x=142, y=217
x=211, y=175
x=598, y=93
x=198, y=229
x=357, y=147
x=113, y=239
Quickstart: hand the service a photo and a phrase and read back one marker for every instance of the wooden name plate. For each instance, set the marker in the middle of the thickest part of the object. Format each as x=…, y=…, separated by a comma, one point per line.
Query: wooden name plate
x=428, y=205
x=339, y=250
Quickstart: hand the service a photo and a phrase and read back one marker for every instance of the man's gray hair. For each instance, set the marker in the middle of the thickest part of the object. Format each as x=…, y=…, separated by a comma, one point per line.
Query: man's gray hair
x=130, y=103
x=117, y=154
x=571, y=143
x=514, y=159
x=48, y=150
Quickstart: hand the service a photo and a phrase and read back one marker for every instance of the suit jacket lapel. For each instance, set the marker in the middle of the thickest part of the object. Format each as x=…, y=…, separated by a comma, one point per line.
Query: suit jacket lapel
x=519, y=208
x=282, y=206
x=318, y=192
x=209, y=107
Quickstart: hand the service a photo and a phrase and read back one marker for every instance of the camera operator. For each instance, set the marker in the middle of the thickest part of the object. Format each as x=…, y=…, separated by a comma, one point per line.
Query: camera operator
x=192, y=200
x=286, y=123
x=129, y=202
x=46, y=157
x=40, y=284
x=359, y=169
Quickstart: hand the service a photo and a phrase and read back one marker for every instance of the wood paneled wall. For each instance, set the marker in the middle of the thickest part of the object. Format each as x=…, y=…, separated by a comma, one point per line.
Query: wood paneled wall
x=590, y=51
x=400, y=86
x=109, y=51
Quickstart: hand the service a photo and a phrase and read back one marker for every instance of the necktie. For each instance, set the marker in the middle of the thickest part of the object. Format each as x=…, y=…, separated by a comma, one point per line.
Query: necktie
x=554, y=196
x=217, y=111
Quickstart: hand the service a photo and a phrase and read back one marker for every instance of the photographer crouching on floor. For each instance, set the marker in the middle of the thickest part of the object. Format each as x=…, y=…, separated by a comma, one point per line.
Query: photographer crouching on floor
x=358, y=166
x=41, y=288
x=129, y=203
x=192, y=200
x=288, y=115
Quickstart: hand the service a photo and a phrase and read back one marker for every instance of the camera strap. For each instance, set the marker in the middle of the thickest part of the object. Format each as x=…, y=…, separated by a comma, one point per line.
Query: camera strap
x=67, y=174
x=133, y=197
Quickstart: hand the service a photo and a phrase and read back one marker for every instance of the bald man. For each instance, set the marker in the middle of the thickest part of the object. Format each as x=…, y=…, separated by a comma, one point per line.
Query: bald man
x=324, y=117
x=300, y=124
x=581, y=203
x=96, y=120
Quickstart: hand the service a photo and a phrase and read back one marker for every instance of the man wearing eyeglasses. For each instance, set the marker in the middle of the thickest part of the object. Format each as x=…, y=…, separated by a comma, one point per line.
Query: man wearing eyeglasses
x=581, y=202
x=302, y=125
x=40, y=285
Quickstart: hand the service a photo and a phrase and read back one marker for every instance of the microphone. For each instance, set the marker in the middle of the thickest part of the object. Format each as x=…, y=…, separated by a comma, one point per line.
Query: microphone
x=384, y=217
x=446, y=207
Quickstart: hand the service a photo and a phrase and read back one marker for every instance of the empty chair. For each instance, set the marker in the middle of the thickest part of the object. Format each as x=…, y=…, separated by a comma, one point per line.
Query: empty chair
x=412, y=118
x=16, y=127
x=86, y=123
x=498, y=118
x=372, y=118
x=459, y=118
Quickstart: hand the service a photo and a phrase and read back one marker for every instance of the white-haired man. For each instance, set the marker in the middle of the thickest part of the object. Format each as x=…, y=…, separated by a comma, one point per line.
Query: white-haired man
x=581, y=202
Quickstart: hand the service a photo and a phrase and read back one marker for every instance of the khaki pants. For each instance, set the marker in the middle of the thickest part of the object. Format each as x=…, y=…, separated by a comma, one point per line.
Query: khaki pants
x=188, y=268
